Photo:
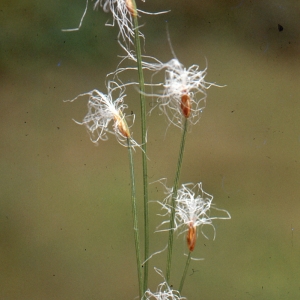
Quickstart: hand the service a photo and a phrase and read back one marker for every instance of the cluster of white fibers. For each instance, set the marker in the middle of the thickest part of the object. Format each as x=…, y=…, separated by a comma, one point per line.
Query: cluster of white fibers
x=192, y=208
x=122, y=14
x=106, y=115
x=163, y=292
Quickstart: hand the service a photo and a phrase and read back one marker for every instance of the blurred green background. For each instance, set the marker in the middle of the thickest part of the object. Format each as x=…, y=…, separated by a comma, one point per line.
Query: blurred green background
x=65, y=214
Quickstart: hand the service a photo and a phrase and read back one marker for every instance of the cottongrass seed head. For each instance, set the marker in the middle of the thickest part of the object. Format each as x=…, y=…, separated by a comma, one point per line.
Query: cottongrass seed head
x=184, y=95
x=122, y=11
x=192, y=211
x=163, y=292
x=106, y=115
x=184, y=90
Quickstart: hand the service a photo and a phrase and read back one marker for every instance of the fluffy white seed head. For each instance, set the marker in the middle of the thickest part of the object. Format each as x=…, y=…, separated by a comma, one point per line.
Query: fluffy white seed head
x=192, y=208
x=106, y=115
x=163, y=292
x=122, y=12
x=184, y=94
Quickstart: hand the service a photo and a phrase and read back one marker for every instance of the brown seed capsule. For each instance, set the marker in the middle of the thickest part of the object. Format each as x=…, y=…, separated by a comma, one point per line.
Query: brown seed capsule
x=131, y=8
x=185, y=105
x=191, y=237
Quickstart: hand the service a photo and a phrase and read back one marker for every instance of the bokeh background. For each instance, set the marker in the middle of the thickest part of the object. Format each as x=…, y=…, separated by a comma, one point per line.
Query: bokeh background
x=65, y=215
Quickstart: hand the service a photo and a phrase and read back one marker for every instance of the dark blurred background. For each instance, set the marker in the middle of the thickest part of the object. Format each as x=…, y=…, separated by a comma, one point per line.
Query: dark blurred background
x=65, y=214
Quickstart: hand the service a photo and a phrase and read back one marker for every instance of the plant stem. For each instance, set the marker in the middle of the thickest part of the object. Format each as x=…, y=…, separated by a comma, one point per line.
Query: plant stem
x=144, y=142
x=175, y=188
x=135, y=220
x=185, y=271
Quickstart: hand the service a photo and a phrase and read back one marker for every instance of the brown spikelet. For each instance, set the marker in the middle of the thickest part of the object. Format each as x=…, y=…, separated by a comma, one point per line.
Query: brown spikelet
x=191, y=237
x=185, y=105
x=121, y=124
x=131, y=8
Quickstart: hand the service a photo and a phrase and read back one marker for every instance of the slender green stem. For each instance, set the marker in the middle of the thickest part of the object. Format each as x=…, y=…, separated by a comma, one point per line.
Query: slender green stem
x=175, y=188
x=144, y=142
x=135, y=220
x=185, y=272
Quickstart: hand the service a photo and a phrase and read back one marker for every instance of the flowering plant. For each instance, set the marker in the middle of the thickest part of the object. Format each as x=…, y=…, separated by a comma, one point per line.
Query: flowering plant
x=182, y=101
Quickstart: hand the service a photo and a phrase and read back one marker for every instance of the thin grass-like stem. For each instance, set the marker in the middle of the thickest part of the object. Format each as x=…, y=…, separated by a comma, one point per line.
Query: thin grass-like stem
x=144, y=141
x=185, y=271
x=175, y=188
x=135, y=220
